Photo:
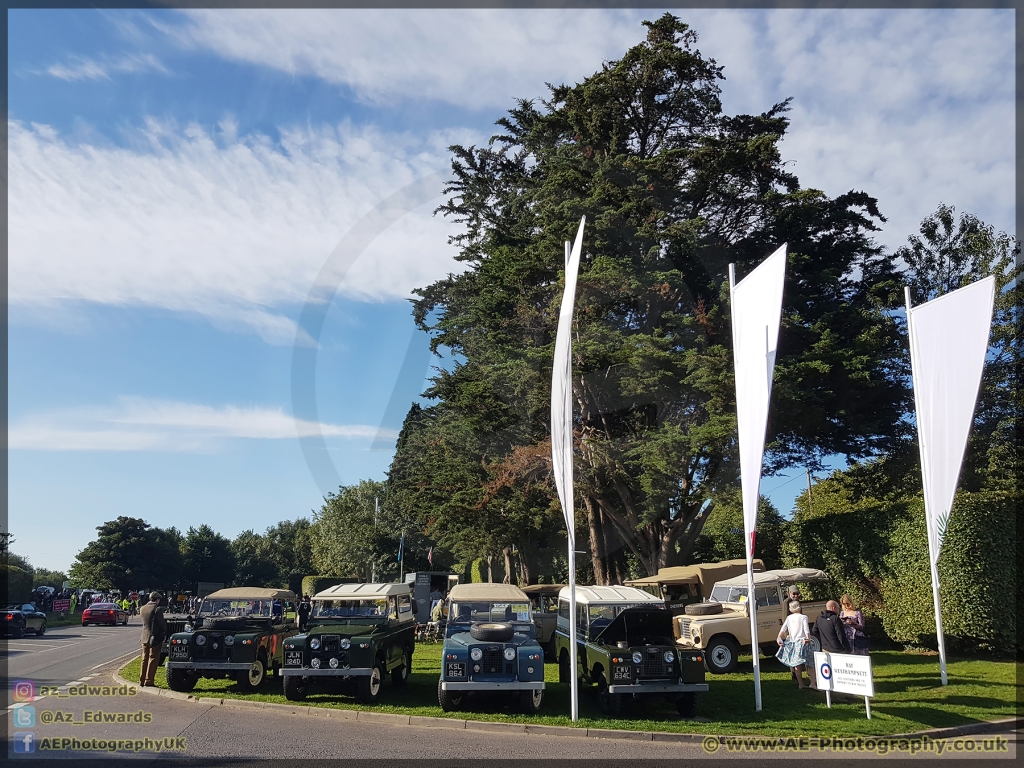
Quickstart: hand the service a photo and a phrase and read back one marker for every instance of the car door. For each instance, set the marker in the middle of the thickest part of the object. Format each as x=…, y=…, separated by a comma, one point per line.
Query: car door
x=770, y=613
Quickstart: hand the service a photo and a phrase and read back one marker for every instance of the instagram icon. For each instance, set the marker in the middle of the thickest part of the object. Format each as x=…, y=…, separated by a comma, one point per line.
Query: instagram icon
x=24, y=690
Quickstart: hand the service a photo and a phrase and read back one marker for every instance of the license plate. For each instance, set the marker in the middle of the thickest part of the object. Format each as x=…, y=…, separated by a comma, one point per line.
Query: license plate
x=179, y=651
x=293, y=658
x=455, y=669
x=620, y=673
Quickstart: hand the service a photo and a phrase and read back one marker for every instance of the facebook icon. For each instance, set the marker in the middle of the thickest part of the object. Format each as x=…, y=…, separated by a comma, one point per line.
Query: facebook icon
x=24, y=743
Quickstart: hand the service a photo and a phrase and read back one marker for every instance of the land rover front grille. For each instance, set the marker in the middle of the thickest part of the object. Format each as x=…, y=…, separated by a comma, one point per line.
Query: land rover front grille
x=684, y=628
x=653, y=665
x=493, y=662
x=208, y=651
x=330, y=643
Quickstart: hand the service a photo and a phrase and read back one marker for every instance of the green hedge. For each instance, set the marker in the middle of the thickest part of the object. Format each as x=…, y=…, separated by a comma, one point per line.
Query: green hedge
x=851, y=545
x=17, y=584
x=977, y=577
x=313, y=584
x=877, y=552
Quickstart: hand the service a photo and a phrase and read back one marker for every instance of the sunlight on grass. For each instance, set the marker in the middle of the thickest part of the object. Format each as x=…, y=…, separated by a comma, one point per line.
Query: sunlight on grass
x=908, y=698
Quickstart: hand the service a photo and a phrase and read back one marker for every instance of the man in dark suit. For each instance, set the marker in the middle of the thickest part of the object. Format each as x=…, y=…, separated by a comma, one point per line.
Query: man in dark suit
x=154, y=629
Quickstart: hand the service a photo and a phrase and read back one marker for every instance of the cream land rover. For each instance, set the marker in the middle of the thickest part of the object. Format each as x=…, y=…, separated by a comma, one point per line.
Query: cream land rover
x=721, y=626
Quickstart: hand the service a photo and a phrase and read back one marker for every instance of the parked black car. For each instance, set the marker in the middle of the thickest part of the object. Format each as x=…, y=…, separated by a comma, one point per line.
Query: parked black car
x=22, y=618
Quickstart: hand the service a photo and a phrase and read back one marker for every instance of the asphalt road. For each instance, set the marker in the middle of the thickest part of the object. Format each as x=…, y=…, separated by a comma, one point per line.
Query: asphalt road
x=65, y=654
x=95, y=707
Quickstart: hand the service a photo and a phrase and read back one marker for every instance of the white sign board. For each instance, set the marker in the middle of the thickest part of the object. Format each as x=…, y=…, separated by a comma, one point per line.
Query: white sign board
x=844, y=673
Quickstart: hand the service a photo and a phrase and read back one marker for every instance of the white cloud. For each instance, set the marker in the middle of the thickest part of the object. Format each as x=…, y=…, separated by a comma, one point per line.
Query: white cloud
x=913, y=106
x=154, y=425
x=82, y=68
x=232, y=227
x=477, y=58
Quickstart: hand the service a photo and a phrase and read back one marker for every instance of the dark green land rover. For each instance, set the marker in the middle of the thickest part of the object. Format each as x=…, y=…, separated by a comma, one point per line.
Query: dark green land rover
x=626, y=647
x=237, y=632
x=357, y=633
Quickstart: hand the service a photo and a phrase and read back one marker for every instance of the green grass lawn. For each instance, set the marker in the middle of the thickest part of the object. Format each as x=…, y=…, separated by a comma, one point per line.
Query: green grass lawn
x=908, y=698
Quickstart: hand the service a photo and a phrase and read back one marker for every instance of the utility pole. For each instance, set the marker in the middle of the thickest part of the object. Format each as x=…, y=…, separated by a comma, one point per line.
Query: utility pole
x=373, y=563
x=810, y=501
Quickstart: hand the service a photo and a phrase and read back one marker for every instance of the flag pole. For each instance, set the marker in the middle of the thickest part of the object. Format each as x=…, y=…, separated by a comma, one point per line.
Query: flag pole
x=933, y=556
x=749, y=536
x=574, y=692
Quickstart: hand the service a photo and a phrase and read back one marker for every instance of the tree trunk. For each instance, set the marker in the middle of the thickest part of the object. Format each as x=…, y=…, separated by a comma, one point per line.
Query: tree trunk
x=507, y=554
x=596, y=541
x=490, y=567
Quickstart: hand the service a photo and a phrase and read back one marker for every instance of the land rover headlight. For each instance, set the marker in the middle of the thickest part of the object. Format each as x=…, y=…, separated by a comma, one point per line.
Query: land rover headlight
x=637, y=657
x=314, y=643
x=229, y=640
x=510, y=654
x=315, y=663
x=333, y=662
x=200, y=640
x=669, y=657
x=476, y=654
x=345, y=643
x=188, y=628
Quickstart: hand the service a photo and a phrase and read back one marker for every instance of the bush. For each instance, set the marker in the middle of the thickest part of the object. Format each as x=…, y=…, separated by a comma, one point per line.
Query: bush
x=977, y=577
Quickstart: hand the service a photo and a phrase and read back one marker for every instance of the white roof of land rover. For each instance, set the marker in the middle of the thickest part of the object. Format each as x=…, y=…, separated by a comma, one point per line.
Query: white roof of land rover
x=609, y=595
x=362, y=591
x=482, y=591
x=780, y=576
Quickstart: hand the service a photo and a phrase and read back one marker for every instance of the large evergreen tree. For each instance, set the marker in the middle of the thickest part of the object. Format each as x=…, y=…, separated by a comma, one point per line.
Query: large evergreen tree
x=673, y=190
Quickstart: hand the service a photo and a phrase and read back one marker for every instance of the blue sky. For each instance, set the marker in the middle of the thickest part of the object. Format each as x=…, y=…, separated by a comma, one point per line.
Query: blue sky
x=178, y=180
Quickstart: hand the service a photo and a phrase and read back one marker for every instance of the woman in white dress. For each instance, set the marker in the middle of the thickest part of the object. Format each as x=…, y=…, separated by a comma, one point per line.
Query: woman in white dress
x=793, y=639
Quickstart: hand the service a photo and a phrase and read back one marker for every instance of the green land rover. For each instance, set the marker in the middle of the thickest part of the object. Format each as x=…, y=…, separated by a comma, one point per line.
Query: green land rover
x=357, y=633
x=237, y=632
x=626, y=647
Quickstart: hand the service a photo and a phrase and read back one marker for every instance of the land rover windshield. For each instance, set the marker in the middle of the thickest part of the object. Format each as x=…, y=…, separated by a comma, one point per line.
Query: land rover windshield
x=639, y=626
x=255, y=609
x=476, y=612
x=374, y=609
x=738, y=594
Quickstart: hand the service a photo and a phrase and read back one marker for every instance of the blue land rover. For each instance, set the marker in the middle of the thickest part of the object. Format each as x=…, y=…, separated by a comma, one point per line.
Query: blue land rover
x=490, y=646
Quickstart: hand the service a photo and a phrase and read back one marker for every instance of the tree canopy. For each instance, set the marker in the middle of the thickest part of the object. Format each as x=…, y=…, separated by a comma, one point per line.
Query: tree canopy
x=673, y=190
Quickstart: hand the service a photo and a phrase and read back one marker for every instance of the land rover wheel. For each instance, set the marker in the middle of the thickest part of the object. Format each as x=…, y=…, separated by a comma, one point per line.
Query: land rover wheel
x=609, y=703
x=181, y=680
x=296, y=688
x=720, y=655
x=368, y=688
x=530, y=701
x=703, y=609
x=450, y=701
x=687, y=704
x=492, y=631
x=253, y=679
x=563, y=668
x=400, y=674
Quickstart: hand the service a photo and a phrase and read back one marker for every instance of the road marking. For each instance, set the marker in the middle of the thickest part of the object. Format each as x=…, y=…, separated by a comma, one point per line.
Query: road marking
x=136, y=652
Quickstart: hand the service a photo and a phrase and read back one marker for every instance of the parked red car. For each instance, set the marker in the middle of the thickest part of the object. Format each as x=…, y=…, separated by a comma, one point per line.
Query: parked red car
x=104, y=613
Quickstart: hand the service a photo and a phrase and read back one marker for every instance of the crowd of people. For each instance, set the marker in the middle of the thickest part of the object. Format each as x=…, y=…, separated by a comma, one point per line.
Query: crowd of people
x=839, y=628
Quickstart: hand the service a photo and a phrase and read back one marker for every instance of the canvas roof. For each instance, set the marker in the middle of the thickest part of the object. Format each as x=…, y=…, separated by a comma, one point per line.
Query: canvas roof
x=251, y=593
x=780, y=576
x=616, y=594
x=539, y=589
x=488, y=592
x=362, y=591
x=698, y=573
